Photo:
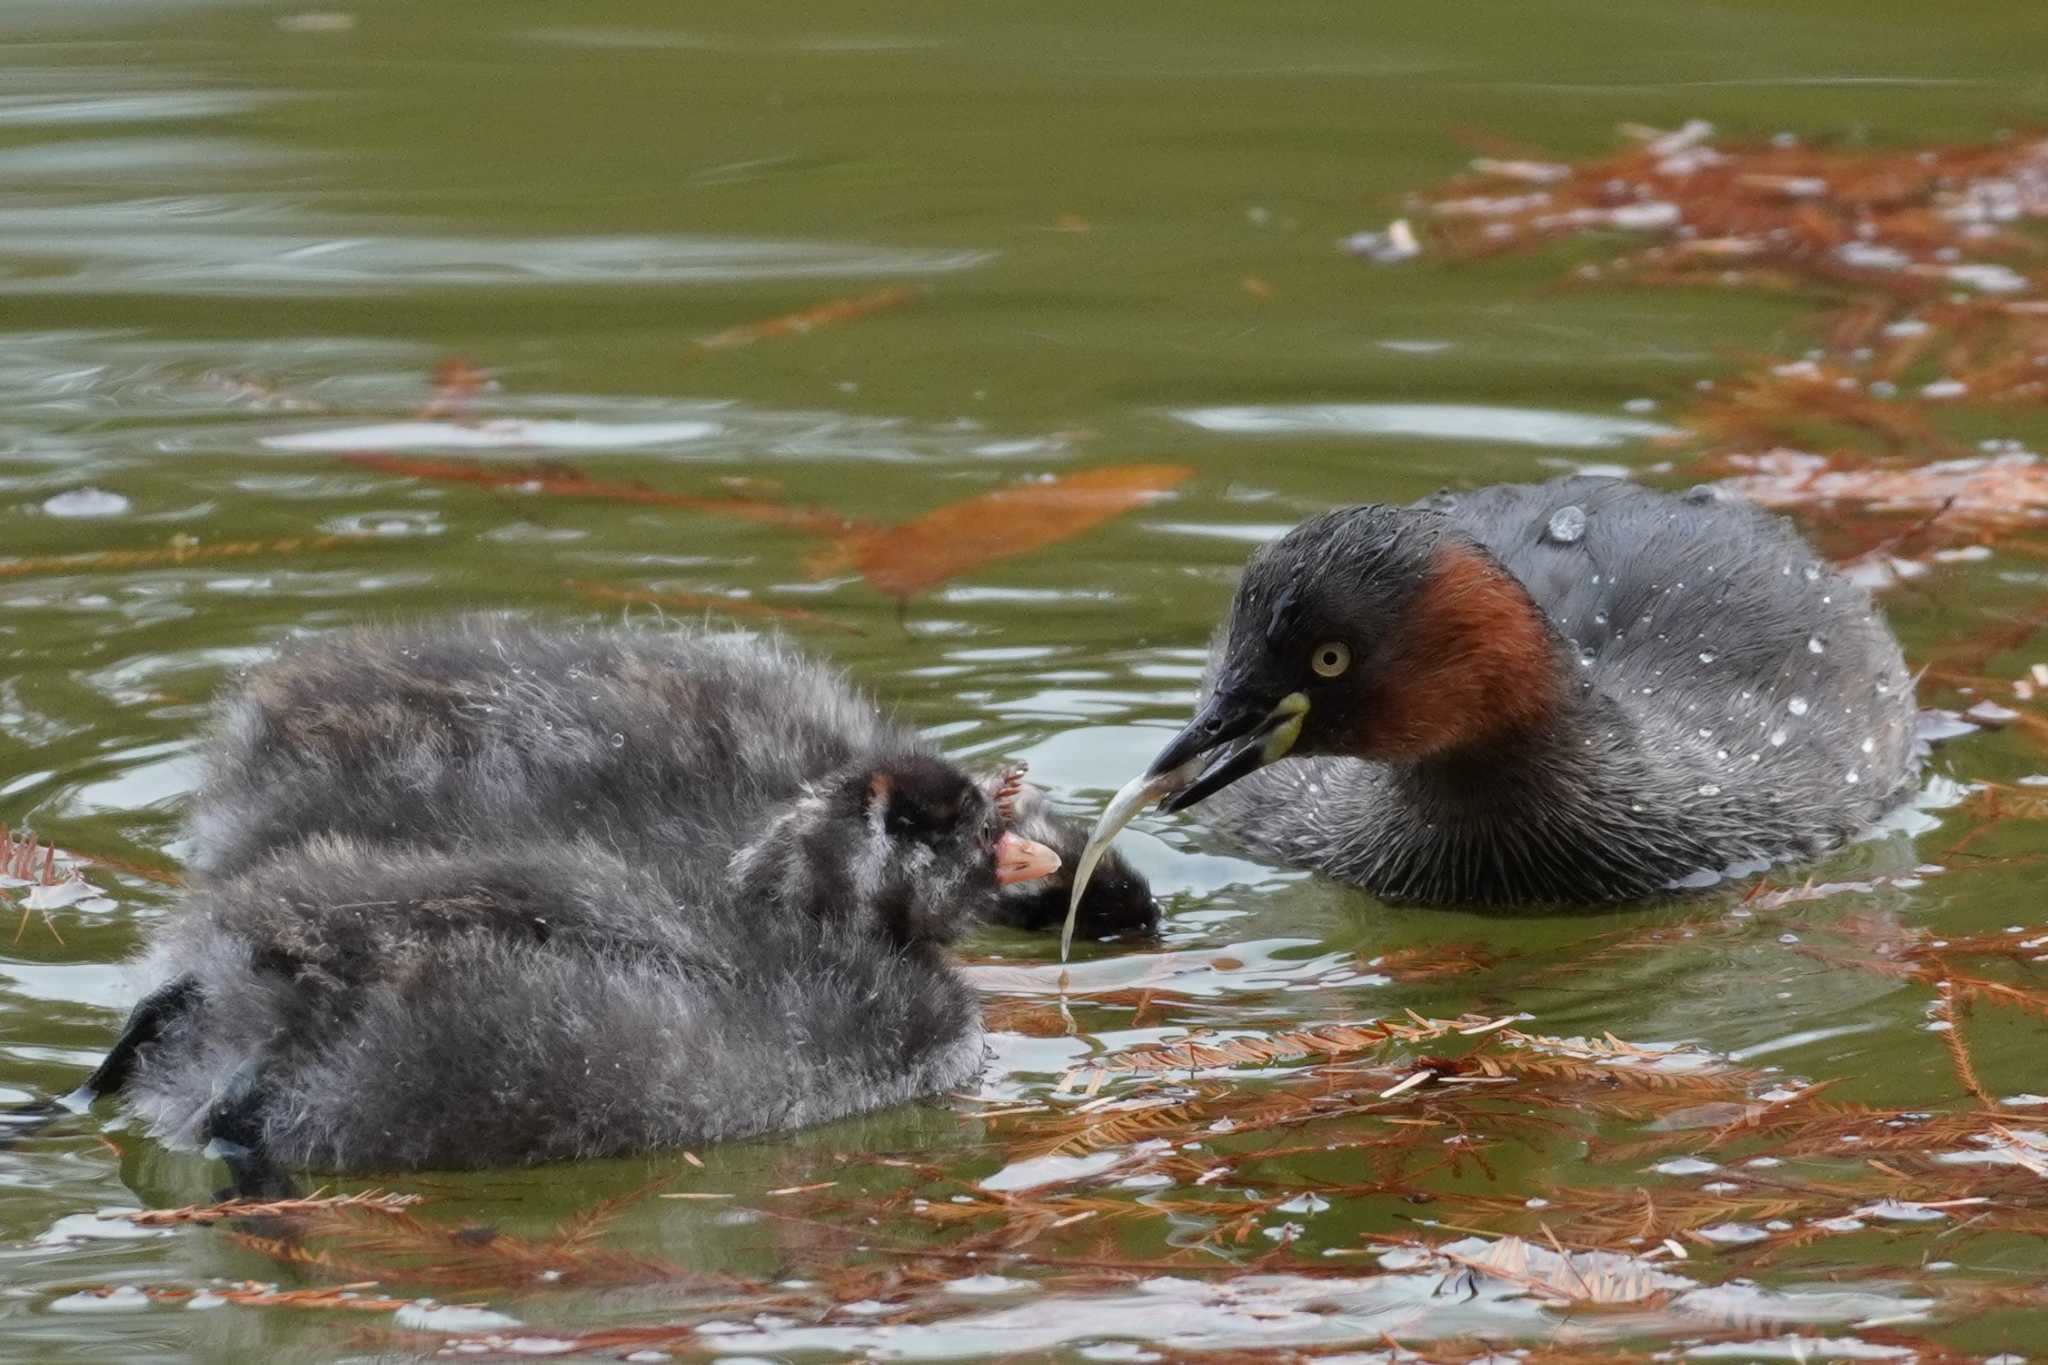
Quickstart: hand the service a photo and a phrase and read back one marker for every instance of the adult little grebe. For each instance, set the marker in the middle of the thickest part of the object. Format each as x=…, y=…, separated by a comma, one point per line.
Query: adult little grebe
x=1581, y=690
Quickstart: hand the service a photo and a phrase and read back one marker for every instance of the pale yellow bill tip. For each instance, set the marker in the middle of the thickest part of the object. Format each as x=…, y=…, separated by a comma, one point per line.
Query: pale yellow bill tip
x=1135, y=795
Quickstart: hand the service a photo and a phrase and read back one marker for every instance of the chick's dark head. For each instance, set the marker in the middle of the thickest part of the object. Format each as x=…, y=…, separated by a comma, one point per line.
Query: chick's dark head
x=1118, y=902
x=906, y=846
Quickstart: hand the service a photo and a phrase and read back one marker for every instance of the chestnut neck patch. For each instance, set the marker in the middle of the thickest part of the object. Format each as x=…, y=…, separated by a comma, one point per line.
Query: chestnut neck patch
x=1470, y=662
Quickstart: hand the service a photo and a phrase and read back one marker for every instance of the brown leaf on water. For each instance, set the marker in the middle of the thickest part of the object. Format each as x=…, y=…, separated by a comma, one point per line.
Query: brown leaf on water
x=817, y=317
x=554, y=481
x=181, y=551
x=905, y=560
x=1591, y=1278
x=710, y=602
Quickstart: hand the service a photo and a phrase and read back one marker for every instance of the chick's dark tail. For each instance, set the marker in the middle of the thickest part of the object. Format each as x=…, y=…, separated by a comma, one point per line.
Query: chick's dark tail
x=156, y=1012
x=232, y=1126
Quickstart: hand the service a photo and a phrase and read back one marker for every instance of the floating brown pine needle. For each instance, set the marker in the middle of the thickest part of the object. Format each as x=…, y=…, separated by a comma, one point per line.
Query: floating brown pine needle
x=149, y=872
x=352, y=1298
x=1916, y=956
x=1116, y=1128
x=556, y=481
x=1026, y=1017
x=391, y=1244
x=1326, y=1040
x=1952, y=1038
x=277, y=1208
x=181, y=551
x=906, y=560
x=1431, y=962
x=1803, y=403
x=1509, y=1052
x=816, y=318
x=716, y=603
x=1897, y=1172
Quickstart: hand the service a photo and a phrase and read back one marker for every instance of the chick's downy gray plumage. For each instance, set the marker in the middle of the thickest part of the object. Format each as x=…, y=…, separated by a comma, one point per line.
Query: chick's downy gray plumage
x=360, y=1007
x=1574, y=691
x=670, y=748
x=475, y=894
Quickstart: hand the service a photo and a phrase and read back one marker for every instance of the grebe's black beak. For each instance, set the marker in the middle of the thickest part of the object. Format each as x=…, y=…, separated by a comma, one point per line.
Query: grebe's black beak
x=1200, y=762
x=1229, y=738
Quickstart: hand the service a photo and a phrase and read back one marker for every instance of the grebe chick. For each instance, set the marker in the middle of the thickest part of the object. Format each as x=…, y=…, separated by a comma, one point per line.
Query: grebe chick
x=346, y=1005
x=672, y=747
x=1574, y=691
x=1118, y=903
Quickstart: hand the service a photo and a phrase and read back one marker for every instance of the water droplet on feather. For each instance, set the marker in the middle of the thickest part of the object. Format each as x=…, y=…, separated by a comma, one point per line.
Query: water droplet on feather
x=1567, y=525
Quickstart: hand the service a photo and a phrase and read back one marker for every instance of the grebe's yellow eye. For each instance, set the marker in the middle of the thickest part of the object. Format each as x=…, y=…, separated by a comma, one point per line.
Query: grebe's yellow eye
x=1331, y=659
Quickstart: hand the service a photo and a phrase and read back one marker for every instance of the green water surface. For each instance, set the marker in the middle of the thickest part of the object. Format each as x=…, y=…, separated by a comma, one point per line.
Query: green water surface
x=229, y=231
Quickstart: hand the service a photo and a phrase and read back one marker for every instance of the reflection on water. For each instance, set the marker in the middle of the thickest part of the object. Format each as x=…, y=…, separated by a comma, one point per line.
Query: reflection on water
x=1440, y=421
x=193, y=249
x=236, y=241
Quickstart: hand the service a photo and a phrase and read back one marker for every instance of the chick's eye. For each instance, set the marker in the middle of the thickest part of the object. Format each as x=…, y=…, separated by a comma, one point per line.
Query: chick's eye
x=1330, y=659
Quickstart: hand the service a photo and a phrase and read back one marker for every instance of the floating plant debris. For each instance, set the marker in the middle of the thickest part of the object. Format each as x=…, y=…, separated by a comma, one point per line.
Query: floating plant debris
x=830, y=313
x=906, y=560
x=901, y=561
x=458, y=383
x=275, y=1208
x=47, y=886
x=1936, y=299
x=182, y=550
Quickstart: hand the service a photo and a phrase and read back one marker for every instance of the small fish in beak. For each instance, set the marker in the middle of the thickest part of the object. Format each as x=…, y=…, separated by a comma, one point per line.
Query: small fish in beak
x=1023, y=860
x=1225, y=741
